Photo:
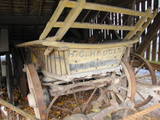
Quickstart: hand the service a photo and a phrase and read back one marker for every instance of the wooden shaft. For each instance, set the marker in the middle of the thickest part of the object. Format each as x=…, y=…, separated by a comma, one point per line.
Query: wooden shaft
x=17, y=110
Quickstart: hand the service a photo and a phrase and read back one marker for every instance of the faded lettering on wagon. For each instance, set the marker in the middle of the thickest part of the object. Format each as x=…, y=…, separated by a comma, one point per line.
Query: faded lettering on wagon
x=91, y=59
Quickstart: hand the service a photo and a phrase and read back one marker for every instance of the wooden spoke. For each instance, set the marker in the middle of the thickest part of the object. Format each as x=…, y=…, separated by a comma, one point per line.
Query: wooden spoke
x=141, y=95
x=139, y=68
x=52, y=102
x=123, y=88
x=120, y=97
x=91, y=96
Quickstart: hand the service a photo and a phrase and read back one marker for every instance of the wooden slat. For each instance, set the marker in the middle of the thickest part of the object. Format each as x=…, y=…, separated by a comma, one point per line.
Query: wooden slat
x=138, y=115
x=62, y=61
x=17, y=110
x=148, y=48
x=66, y=57
x=97, y=26
x=154, y=48
x=57, y=61
x=72, y=16
x=74, y=13
x=138, y=26
x=49, y=63
x=107, y=8
x=36, y=90
x=148, y=53
x=53, y=65
x=46, y=61
x=78, y=45
x=159, y=47
x=53, y=19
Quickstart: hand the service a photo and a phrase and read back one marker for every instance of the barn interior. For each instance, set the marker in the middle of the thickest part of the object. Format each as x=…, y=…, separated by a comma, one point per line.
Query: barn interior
x=23, y=21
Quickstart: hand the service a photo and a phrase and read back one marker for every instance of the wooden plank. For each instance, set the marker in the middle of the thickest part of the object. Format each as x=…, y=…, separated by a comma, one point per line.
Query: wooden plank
x=0, y=73
x=159, y=47
x=97, y=26
x=148, y=48
x=96, y=46
x=138, y=26
x=108, y=8
x=49, y=63
x=148, y=53
x=62, y=61
x=46, y=63
x=74, y=13
x=154, y=48
x=16, y=109
x=142, y=113
x=57, y=61
x=53, y=19
x=142, y=22
x=36, y=90
x=66, y=57
x=53, y=65
x=72, y=16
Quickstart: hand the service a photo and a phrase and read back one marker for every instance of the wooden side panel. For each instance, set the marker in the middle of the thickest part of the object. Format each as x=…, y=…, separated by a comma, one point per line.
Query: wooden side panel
x=56, y=62
x=85, y=60
x=53, y=63
x=62, y=62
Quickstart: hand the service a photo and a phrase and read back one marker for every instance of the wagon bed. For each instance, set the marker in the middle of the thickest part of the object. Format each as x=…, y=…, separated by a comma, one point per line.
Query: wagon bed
x=69, y=68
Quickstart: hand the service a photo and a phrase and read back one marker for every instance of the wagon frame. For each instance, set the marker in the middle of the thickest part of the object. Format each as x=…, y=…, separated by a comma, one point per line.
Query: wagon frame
x=63, y=62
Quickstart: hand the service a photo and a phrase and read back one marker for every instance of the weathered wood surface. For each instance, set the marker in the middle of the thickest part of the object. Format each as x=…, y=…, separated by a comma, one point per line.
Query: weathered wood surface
x=150, y=35
x=36, y=92
x=142, y=113
x=77, y=7
x=16, y=109
x=87, y=46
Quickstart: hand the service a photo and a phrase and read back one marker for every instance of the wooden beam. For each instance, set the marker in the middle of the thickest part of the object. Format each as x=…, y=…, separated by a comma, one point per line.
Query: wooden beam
x=66, y=45
x=72, y=16
x=17, y=110
x=97, y=26
x=142, y=112
x=52, y=43
x=74, y=13
x=152, y=31
x=53, y=19
x=108, y=8
x=142, y=23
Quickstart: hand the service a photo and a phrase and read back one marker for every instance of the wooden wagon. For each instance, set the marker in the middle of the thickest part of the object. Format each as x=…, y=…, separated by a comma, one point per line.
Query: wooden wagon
x=66, y=68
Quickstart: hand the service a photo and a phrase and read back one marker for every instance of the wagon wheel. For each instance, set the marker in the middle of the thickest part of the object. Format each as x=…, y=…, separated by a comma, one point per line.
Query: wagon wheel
x=142, y=66
x=121, y=89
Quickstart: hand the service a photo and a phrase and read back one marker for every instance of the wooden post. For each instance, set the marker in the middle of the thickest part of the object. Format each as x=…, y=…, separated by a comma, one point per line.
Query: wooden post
x=17, y=110
x=0, y=74
x=8, y=78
